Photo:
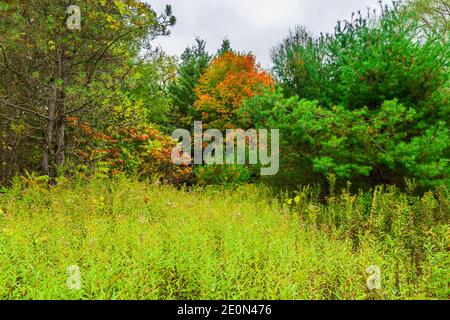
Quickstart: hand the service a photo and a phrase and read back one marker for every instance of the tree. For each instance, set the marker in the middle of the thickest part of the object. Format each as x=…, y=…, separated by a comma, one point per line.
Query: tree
x=225, y=47
x=194, y=61
x=147, y=89
x=229, y=79
x=385, y=113
x=372, y=59
x=434, y=15
x=297, y=64
x=50, y=72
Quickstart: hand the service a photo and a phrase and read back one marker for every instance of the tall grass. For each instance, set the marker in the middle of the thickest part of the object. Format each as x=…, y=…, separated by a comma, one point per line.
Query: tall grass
x=136, y=240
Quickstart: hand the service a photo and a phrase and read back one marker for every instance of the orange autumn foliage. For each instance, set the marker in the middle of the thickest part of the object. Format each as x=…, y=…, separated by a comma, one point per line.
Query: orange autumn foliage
x=144, y=151
x=229, y=79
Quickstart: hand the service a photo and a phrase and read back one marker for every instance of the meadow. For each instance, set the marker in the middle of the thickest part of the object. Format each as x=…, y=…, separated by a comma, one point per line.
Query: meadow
x=102, y=199
x=134, y=239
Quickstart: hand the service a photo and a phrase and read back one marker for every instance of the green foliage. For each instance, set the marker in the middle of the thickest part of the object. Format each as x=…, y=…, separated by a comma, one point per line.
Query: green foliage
x=50, y=72
x=222, y=174
x=385, y=144
x=359, y=110
x=297, y=65
x=194, y=61
x=135, y=240
x=368, y=60
x=373, y=60
x=148, y=88
x=369, y=103
x=225, y=47
x=433, y=15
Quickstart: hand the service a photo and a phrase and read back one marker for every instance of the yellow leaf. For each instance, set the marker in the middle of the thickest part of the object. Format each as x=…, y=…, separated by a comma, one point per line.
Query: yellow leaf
x=120, y=6
x=52, y=45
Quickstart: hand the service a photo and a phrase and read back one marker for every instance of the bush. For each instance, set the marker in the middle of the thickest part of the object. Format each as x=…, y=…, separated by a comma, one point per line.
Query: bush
x=141, y=151
x=222, y=174
x=387, y=144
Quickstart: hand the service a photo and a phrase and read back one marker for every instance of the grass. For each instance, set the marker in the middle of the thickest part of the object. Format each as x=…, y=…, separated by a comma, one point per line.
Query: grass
x=136, y=240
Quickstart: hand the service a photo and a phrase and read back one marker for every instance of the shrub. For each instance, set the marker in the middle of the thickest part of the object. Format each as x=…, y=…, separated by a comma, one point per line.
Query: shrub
x=387, y=145
x=143, y=151
x=222, y=174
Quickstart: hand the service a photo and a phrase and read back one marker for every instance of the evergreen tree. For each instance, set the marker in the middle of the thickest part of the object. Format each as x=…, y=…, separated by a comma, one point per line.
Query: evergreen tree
x=297, y=65
x=226, y=47
x=194, y=61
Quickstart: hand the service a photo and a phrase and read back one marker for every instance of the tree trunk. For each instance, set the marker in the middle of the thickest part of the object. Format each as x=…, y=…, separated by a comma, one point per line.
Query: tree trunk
x=48, y=133
x=60, y=158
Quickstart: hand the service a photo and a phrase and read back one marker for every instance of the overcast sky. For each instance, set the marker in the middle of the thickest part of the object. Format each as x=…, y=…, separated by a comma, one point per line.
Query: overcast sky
x=251, y=25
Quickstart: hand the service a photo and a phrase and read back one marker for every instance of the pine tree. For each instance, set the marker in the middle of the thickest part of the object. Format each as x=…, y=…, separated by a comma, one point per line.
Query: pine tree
x=226, y=47
x=194, y=61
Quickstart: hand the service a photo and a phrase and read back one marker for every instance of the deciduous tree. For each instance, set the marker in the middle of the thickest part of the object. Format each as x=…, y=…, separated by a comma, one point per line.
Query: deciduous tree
x=229, y=79
x=49, y=71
